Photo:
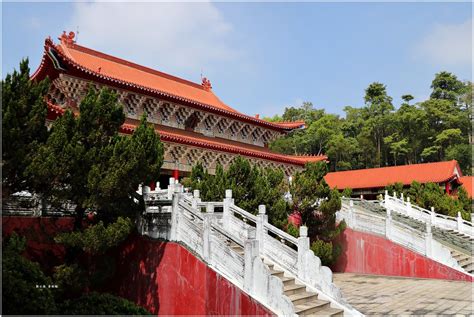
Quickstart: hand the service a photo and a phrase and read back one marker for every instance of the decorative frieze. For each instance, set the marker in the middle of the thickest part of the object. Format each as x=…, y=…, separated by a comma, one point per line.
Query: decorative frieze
x=67, y=90
x=183, y=157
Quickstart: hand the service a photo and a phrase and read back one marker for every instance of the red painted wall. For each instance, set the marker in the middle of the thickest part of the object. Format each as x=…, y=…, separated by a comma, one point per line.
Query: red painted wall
x=370, y=254
x=167, y=279
x=163, y=277
x=40, y=233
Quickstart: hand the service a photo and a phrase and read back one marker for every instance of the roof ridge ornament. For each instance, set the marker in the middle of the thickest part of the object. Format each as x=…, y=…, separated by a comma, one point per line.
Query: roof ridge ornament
x=206, y=84
x=67, y=39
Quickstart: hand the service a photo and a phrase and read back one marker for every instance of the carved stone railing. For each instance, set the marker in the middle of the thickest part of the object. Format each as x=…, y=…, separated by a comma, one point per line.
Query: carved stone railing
x=291, y=254
x=406, y=208
x=395, y=231
x=210, y=234
x=26, y=204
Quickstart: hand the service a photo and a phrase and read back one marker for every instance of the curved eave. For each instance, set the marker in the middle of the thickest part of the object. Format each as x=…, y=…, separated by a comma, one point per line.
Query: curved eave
x=157, y=93
x=169, y=137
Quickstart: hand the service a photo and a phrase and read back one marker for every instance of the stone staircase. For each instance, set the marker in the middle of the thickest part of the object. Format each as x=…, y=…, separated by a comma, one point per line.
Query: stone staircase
x=306, y=303
x=276, y=269
x=460, y=245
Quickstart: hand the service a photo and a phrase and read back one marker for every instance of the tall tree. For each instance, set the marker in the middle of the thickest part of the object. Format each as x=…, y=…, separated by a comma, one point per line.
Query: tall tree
x=23, y=126
x=379, y=105
x=317, y=204
x=87, y=162
x=446, y=86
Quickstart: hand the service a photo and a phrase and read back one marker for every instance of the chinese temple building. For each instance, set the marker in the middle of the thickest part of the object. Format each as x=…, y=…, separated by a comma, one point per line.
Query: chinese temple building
x=193, y=123
x=371, y=182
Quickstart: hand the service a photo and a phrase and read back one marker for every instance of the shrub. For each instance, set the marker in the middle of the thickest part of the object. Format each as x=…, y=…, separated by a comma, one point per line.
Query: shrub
x=101, y=304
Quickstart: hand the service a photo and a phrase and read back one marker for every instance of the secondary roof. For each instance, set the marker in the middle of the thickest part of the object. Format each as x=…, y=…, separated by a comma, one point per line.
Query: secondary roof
x=437, y=172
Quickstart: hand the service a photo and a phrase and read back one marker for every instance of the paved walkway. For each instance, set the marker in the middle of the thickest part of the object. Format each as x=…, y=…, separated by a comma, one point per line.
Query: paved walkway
x=384, y=295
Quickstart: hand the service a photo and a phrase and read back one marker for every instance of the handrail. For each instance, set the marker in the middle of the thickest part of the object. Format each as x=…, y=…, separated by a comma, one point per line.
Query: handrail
x=191, y=210
x=243, y=213
x=281, y=234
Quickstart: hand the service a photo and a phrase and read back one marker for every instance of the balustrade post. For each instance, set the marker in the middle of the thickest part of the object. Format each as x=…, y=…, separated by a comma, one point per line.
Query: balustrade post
x=459, y=219
x=303, y=247
x=196, y=199
x=206, y=254
x=428, y=240
x=171, y=186
x=388, y=225
x=227, y=213
x=140, y=189
x=433, y=216
x=251, y=251
x=408, y=207
x=262, y=219
x=175, y=213
x=157, y=186
x=350, y=221
x=401, y=196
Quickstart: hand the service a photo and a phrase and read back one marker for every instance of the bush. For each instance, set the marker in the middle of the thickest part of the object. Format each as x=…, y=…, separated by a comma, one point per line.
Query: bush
x=97, y=239
x=101, y=304
x=20, y=294
x=293, y=230
x=324, y=251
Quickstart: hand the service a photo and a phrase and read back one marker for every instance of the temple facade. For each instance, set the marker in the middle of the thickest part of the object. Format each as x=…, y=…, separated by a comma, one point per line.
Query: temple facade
x=193, y=123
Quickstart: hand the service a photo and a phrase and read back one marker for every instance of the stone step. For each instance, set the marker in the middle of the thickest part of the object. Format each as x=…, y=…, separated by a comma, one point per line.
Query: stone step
x=302, y=298
x=465, y=261
x=287, y=280
x=469, y=267
x=311, y=307
x=458, y=255
x=330, y=312
x=293, y=289
x=277, y=273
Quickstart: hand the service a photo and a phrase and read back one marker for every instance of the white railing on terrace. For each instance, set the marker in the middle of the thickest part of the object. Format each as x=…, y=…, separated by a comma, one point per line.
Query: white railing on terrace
x=210, y=234
x=399, y=205
x=400, y=233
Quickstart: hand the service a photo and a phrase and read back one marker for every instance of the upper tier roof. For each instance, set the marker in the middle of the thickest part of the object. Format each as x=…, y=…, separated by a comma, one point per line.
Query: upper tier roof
x=118, y=70
x=437, y=172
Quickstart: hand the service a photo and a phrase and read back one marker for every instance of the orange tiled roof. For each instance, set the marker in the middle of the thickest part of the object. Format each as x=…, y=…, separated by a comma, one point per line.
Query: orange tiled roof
x=114, y=69
x=437, y=172
x=292, y=124
x=466, y=182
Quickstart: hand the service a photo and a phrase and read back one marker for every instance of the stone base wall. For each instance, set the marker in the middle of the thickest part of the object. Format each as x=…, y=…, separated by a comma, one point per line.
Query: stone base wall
x=370, y=254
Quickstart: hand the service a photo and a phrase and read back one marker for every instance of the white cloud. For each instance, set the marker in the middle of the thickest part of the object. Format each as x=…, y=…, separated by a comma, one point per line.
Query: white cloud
x=178, y=38
x=447, y=44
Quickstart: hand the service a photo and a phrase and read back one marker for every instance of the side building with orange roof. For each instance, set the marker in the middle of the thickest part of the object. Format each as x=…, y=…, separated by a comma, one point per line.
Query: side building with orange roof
x=371, y=182
x=193, y=123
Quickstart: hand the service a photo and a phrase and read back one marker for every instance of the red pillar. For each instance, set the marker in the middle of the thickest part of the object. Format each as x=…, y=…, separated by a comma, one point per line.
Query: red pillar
x=152, y=186
x=176, y=174
x=448, y=188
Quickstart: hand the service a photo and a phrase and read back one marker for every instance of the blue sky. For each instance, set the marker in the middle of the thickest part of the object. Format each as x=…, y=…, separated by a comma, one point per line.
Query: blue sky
x=261, y=57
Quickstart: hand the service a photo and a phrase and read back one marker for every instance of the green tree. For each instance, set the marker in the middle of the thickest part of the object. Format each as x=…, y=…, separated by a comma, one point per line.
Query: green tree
x=87, y=162
x=23, y=126
x=446, y=86
x=26, y=290
x=101, y=304
x=378, y=108
x=317, y=204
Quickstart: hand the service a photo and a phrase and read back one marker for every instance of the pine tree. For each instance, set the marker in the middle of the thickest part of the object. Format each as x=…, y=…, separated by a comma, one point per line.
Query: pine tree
x=24, y=113
x=87, y=162
x=317, y=205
